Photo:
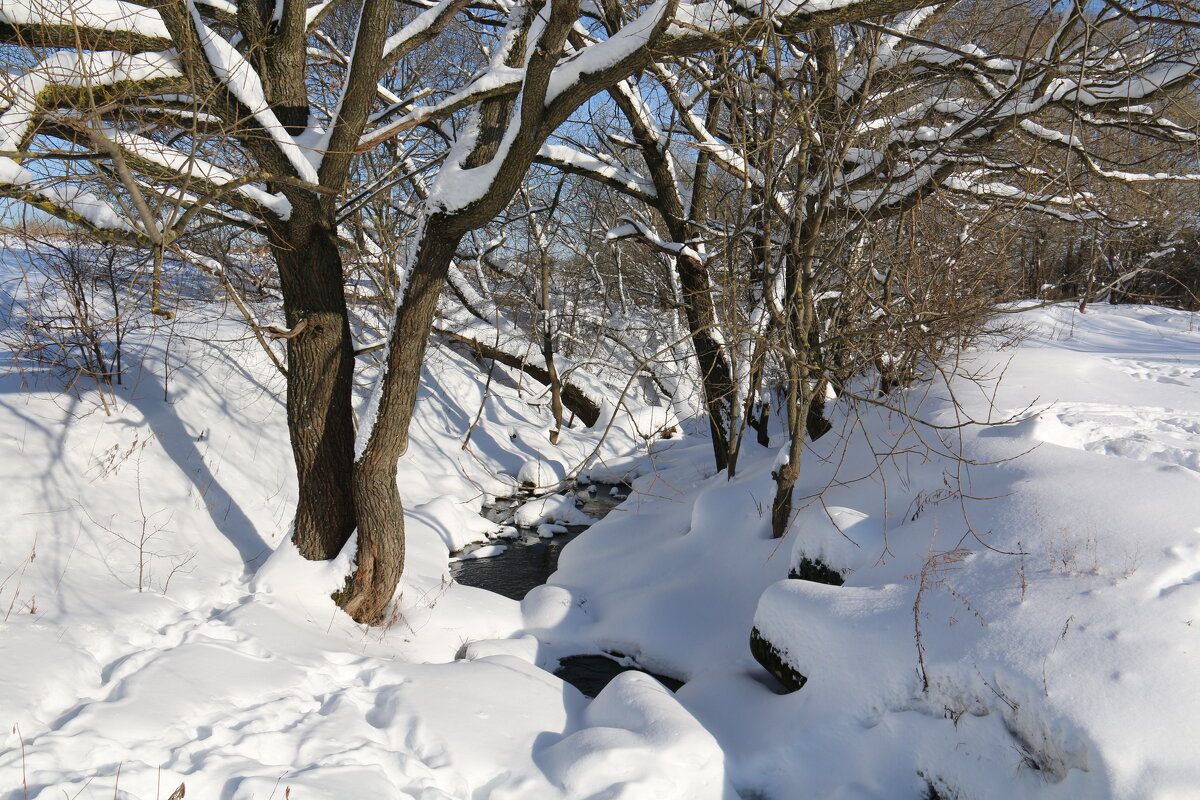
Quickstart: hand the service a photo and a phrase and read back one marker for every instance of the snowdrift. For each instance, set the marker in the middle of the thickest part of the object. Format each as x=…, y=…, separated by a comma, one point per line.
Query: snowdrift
x=158, y=627
x=1020, y=600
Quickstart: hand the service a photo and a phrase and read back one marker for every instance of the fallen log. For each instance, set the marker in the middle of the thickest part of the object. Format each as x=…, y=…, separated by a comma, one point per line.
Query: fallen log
x=573, y=397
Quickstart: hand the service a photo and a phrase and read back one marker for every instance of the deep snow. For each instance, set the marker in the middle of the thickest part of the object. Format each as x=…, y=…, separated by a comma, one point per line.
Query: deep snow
x=1058, y=578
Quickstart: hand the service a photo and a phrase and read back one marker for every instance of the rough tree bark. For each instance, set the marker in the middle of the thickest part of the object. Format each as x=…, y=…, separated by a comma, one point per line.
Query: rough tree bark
x=377, y=504
x=716, y=375
x=320, y=372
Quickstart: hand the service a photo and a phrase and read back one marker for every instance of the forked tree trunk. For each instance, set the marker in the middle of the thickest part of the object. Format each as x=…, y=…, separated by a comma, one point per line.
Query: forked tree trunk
x=798, y=328
x=805, y=415
x=320, y=373
x=377, y=505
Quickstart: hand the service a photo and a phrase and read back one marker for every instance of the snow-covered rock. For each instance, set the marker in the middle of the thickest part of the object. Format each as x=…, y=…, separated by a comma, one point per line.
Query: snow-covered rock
x=540, y=476
x=556, y=508
x=653, y=422
x=638, y=742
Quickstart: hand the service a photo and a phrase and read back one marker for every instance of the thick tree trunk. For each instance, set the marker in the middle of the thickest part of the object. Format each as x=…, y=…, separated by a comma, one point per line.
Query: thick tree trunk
x=377, y=503
x=320, y=372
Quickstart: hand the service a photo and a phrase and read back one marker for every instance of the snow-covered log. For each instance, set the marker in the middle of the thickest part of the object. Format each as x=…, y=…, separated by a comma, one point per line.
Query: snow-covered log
x=575, y=398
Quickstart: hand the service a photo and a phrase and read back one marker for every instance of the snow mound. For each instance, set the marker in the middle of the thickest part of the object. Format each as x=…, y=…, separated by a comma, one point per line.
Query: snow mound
x=559, y=508
x=652, y=422
x=210, y=653
x=1017, y=623
x=638, y=742
x=840, y=635
x=842, y=539
x=540, y=476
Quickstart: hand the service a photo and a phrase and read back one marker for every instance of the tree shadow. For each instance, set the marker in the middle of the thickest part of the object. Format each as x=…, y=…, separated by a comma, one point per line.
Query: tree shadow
x=178, y=443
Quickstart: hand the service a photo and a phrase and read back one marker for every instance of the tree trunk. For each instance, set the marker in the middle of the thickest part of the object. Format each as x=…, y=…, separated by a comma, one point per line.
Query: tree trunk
x=716, y=377
x=556, y=403
x=715, y=374
x=787, y=474
x=377, y=503
x=320, y=372
x=756, y=410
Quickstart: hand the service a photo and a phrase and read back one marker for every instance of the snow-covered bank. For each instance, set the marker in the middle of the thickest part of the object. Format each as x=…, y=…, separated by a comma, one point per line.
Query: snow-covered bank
x=1050, y=573
x=1060, y=661
x=232, y=671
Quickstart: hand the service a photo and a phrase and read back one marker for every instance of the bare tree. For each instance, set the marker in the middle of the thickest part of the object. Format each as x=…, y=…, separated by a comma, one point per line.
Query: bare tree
x=146, y=120
x=828, y=138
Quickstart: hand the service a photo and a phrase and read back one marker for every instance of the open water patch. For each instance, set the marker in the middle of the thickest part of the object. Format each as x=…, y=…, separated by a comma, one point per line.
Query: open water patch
x=591, y=673
x=515, y=564
x=529, y=558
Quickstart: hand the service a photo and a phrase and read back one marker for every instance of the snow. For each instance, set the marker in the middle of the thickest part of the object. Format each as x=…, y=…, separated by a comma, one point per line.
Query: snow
x=1067, y=645
x=558, y=508
x=237, y=675
x=541, y=475
x=72, y=69
x=490, y=551
x=1053, y=582
x=598, y=164
x=632, y=227
x=832, y=536
x=88, y=206
x=602, y=55
x=419, y=25
x=654, y=421
x=190, y=164
x=103, y=15
x=245, y=84
x=550, y=530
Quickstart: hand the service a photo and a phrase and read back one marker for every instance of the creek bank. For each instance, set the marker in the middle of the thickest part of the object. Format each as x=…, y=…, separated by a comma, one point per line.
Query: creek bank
x=524, y=556
x=530, y=553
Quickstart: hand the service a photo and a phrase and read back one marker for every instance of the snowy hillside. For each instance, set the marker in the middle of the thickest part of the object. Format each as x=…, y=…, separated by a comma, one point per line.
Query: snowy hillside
x=1048, y=569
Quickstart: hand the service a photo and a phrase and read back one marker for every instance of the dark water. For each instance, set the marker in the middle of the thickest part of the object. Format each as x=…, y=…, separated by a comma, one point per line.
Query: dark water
x=529, y=559
x=590, y=674
x=529, y=562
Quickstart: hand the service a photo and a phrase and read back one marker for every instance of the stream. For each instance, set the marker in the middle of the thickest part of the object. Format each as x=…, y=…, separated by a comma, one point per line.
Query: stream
x=530, y=559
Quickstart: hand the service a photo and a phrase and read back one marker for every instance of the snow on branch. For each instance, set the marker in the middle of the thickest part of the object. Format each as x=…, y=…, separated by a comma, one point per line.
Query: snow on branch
x=994, y=192
x=117, y=24
x=73, y=70
x=177, y=162
x=422, y=29
x=598, y=167
x=637, y=230
x=66, y=202
x=232, y=69
x=492, y=83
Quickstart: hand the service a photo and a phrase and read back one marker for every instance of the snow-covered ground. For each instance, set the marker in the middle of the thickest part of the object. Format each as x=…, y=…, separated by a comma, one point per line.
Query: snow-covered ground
x=1049, y=569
